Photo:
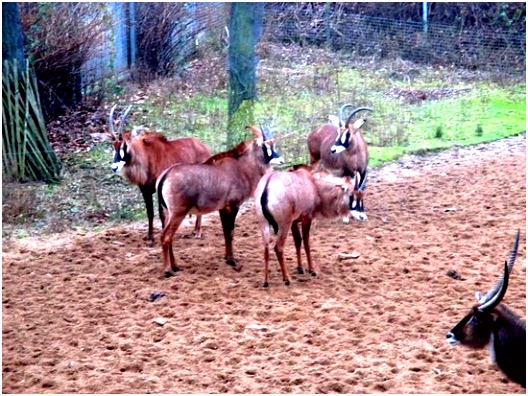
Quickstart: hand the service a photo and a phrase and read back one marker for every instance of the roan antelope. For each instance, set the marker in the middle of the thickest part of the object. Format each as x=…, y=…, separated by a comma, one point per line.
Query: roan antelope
x=222, y=183
x=340, y=148
x=291, y=200
x=494, y=324
x=140, y=156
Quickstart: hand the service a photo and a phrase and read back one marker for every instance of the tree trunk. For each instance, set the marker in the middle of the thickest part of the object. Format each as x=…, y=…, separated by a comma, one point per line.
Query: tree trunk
x=12, y=39
x=245, y=29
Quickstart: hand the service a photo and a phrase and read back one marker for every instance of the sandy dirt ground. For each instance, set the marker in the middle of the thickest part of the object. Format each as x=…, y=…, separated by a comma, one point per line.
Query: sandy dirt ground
x=76, y=315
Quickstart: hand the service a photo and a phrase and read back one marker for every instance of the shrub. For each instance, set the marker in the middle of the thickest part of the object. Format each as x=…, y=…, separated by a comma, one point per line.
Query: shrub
x=60, y=37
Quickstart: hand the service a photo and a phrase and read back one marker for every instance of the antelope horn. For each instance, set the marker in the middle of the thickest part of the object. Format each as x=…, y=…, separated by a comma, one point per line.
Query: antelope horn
x=111, y=121
x=122, y=121
x=355, y=112
x=484, y=301
x=341, y=111
x=513, y=253
x=494, y=300
x=266, y=132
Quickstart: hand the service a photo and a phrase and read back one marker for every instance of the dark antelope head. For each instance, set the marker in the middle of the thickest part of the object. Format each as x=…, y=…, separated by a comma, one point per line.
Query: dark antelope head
x=475, y=329
x=264, y=138
x=345, y=130
x=357, y=210
x=119, y=143
x=121, y=152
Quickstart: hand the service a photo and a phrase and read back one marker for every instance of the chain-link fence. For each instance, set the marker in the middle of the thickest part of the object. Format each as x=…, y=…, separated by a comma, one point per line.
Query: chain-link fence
x=170, y=35
x=377, y=37
x=383, y=38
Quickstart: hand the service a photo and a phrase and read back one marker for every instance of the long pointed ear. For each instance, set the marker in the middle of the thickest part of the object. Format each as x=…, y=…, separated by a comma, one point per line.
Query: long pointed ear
x=334, y=120
x=357, y=124
x=257, y=133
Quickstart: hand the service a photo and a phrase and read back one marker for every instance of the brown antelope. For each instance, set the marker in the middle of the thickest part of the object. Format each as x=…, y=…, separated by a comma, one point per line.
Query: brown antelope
x=289, y=200
x=140, y=156
x=492, y=323
x=340, y=148
x=223, y=183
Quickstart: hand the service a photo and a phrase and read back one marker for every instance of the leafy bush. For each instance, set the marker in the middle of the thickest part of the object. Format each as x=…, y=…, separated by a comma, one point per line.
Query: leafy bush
x=60, y=38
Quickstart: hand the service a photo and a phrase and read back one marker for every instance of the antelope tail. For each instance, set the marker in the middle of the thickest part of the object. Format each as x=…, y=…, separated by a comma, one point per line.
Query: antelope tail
x=265, y=210
x=159, y=189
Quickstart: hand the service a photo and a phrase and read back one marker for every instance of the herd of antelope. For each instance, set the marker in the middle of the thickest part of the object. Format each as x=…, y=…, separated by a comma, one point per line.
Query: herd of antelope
x=190, y=180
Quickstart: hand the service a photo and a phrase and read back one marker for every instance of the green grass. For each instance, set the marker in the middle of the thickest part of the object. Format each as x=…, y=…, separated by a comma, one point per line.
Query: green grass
x=394, y=129
x=297, y=94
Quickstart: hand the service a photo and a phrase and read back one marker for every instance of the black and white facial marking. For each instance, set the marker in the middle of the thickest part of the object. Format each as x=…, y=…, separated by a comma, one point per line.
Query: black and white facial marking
x=341, y=143
x=121, y=156
x=270, y=155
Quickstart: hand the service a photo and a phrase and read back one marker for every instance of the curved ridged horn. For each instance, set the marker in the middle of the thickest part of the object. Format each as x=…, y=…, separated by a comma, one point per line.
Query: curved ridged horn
x=111, y=121
x=341, y=111
x=355, y=112
x=509, y=264
x=497, y=297
x=266, y=131
x=122, y=121
x=256, y=131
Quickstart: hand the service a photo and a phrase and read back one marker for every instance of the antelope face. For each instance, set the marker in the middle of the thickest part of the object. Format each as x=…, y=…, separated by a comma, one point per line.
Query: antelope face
x=474, y=330
x=271, y=156
x=121, y=155
x=344, y=137
x=341, y=143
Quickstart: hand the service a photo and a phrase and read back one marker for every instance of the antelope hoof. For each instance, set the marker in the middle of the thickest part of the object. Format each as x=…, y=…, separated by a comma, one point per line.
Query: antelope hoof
x=170, y=273
x=232, y=262
x=300, y=270
x=265, y=284
x=287, y=283
x=313, y=273
x=150, y=242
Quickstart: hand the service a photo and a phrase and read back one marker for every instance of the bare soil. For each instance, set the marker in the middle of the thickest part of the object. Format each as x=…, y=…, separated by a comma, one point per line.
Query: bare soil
x=76, y=315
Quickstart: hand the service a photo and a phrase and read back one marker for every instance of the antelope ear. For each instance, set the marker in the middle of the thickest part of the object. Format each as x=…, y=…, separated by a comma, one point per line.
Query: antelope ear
x=257, y=133
x=478, y=296
x=334, y=120
x=136, y=131
x=358, y=124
